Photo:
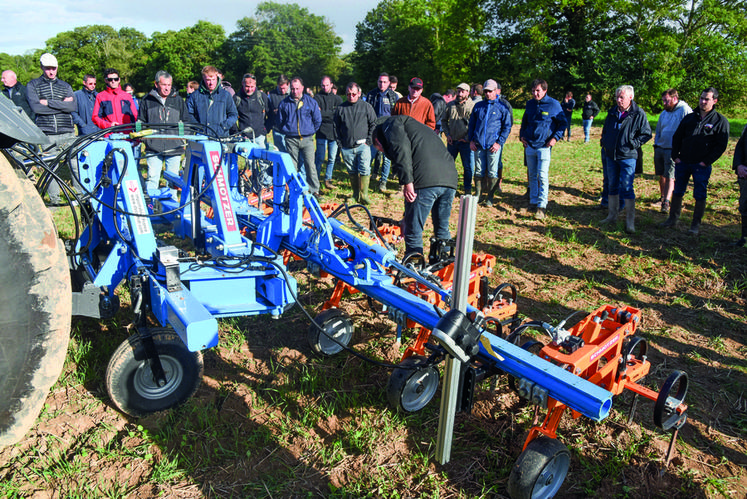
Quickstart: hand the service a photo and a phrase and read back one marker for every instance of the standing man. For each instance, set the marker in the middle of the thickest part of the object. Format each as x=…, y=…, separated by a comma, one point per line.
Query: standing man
x=52, y=101
x=455, y=124
x=669, y=119
x=588, y=113
x=113, y=106
x=16, y=92
x=276, y=96
x=127, y=87
x=568, y=104
x=416, y=106
x=252, y=107
x=510, y=110
x=382, y=100
x=542, y=126
x=393, y=85
x=325, y=137
x=426, y=173
x=740, y=168
x=299, y=119
x=625, y=130
x=439, y=103
x=700, y=139
x=85, y=98
x=476, y=92
x=162, y=106
x=489, y=126
x=354, y=123
x=211, y=105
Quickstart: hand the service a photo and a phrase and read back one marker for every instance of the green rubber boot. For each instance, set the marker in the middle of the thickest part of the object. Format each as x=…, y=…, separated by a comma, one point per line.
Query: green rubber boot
x=365, y=180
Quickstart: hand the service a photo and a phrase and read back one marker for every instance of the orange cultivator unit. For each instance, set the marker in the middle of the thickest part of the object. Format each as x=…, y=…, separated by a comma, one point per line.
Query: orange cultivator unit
x=603, y=349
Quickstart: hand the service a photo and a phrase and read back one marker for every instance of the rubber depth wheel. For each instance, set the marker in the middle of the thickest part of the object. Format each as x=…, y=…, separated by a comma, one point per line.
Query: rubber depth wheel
x=130, y=382
x=35, y=304
x=412, y=385
x=540, y=470
x=335, y=334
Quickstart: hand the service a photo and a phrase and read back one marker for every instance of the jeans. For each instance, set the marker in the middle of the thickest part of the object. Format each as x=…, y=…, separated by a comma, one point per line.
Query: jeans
x=587, y=129
x=486, y=163
x=357, y=159
x=437, y=201
x=700, y=174
x=385, y=167
x=302, y=148
x=468, y=161
x=620, y=175
x=325, y=146
x=155, y=165
x=568, y=117
x=538, y=170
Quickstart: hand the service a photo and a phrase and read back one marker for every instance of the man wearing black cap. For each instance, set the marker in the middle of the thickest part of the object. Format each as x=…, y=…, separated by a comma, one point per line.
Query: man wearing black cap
x=415, y=106
x=426, y=173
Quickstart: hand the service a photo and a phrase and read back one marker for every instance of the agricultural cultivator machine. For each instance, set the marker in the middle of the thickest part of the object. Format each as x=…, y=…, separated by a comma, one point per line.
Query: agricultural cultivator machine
x=247, y=213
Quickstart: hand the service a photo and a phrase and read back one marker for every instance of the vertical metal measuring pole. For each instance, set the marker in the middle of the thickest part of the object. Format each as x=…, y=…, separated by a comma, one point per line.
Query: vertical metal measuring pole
x=460, y=293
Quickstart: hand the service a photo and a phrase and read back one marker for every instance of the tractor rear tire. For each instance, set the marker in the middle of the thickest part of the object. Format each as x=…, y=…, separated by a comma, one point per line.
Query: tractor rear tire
x=35, y=304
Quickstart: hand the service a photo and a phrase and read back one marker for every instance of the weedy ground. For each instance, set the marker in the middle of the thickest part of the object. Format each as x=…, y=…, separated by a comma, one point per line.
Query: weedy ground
x=272, y=419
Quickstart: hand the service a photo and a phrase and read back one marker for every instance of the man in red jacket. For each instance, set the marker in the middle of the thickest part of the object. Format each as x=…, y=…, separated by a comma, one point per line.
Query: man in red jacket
x=113, y=106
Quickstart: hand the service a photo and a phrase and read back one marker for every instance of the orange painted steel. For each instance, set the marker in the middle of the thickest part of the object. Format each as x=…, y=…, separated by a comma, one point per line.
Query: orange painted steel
x=600, y=360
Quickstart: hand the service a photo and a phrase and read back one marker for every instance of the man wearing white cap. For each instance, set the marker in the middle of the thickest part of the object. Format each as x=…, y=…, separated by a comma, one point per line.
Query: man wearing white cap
x=53, y=102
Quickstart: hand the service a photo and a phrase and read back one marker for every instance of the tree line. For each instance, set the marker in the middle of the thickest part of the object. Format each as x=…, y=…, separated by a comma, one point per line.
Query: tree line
x=576, y=45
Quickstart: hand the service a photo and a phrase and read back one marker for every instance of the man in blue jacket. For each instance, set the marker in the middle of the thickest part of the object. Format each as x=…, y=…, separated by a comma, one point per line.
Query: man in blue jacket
x=542, y=126
x=85, y=98
x=489, y=126
x=300, y=118
x=211, y=105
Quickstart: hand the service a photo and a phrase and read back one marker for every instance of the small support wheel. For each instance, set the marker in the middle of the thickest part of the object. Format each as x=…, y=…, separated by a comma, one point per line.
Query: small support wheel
x=540, y=470
x=412, y=385
x=331, y=332
x=665, y=409
x=132, y=385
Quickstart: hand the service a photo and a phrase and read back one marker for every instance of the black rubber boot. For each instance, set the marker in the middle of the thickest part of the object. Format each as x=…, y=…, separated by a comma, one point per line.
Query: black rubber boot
x=743, y=240
x=675, y=210
x=700, y=205
x=492, y=183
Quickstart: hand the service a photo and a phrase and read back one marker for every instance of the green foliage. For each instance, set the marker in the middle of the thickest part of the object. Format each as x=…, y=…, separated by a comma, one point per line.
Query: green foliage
x=92, y=49
x=598, y=45
x=183, y=53
x=283, y=39
x=26, y=66
x=436, y=40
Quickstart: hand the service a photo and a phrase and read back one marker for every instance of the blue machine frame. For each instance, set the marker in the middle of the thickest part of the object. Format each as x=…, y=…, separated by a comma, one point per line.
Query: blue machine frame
x=243, y=276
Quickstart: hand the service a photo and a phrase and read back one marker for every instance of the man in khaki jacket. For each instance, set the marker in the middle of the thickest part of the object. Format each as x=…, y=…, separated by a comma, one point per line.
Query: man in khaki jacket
x=454, y=125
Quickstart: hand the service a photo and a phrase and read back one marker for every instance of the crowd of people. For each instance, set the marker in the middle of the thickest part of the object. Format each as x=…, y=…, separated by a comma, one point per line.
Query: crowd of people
x=416, y=138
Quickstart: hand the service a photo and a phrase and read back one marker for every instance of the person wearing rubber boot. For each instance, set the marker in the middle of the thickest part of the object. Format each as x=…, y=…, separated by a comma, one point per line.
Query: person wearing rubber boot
x=427, y=174
x=354, y=122
x=625, y=130
x=489, y=126
x=740, y=168
x=699, y=141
